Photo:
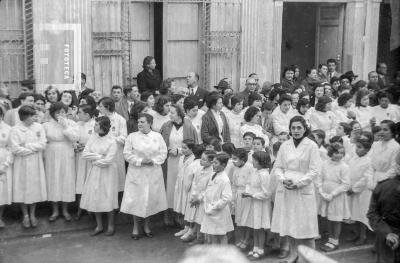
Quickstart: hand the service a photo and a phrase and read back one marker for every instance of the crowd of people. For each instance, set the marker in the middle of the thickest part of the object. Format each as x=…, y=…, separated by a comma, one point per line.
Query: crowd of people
x=267, y=165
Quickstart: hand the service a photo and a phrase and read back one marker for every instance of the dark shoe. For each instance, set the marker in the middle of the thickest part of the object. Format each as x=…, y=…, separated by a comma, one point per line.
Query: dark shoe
x=53, y=218
x=283, y=254
x=135, y=236
x=328, y=247
x=96, y=232
x=110, y=232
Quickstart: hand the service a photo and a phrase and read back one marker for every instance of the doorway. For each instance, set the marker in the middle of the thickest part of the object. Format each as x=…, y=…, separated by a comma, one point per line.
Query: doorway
x=311, y=33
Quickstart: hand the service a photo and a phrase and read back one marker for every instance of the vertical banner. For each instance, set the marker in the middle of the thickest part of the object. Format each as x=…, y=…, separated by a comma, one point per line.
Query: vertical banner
x=58, y=56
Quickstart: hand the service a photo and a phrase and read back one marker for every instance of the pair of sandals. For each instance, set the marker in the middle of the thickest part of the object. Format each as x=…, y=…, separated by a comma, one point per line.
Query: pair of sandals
x=256, y=254
x=27, y=222
x=241, y=245
x=328, y=247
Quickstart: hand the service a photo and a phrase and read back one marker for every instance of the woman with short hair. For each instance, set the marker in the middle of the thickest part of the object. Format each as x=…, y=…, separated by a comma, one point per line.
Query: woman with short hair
x=323, y=118
x=161, y=112
x=149, y=79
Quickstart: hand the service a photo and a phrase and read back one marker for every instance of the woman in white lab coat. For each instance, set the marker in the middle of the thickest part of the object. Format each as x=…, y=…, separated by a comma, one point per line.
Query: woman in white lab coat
x=295, y=209
x=323, y=118
x=28, y=140
x=119, y=131
x=144, y=193
x=61, y=134
x=362, y=109
x=100, y=192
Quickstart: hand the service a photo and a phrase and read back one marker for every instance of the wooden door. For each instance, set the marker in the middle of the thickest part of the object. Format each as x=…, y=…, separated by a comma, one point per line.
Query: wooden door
x=12, y=49
x=181, y=49
x=329, y=32
x=141, y=28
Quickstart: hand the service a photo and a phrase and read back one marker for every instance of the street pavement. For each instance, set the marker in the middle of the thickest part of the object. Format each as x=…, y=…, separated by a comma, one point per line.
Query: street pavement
x=79, y=247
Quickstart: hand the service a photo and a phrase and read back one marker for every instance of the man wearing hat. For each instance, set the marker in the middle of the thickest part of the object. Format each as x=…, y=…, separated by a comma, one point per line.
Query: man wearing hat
x=223, y=86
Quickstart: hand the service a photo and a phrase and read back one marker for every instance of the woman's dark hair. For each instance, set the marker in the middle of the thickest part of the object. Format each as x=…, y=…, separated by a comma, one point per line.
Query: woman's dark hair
x=144, y=96
x=250, y=134
x=320, y=105
x=136, y=109
x=228, y=148
x=263, y=159
x=275, y=147
x=274, y=93
x=104, y=124
x=302, y=122
x=250, y=113
x=253, y=97
x=391, y=125
x=344, y=98
x=216, y=143
x=74, y=99
x=303, y=94
x=86, y=108
x=37, y=97
x=85, y=93
x=90, y=101
x=302, y=102
x=308, y=71
x=334, y=148
x=108, y=103
x=236, y=99
x=146, y=61
x=210, y=154
x=261, y=139
x=165, y=86
x=359, y=95
x=46, y=93
x=320, y=134
x=346, y=128
x=147, y=116
x=189, y=103
x=212, y=100
x=189, y=143
x=179, y=111
x=336, y=139
x=176, y=97
x=222, y=158
x=227, y=101
x=366, y=140
x=288, y=68
x=383, y=94
x=1, y=112
x=160, y=102
x=25, y=112
x=56, y=107
x=359, y=84
x=197, y=150
x=268, y=105
x=241, y=153
x=285, y=97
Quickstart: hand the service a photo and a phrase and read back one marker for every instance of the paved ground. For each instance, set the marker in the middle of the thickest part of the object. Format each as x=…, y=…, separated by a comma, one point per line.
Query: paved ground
x=78, y=246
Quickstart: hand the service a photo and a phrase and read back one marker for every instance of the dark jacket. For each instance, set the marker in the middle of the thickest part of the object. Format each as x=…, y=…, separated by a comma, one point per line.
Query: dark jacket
x=189, y=132
x=147, y=81
x=121, y=107
x=209, y=128
x=288, y=86
x=200, y=96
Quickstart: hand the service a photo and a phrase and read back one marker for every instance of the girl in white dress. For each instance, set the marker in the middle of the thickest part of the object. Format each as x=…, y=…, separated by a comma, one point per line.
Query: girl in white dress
x=323, y=118
x=257, y=214
x=27, y=141
x=333, y=184
x=217, y=221
x=85, y=127
x=196, y=199
x=100, y=192
x=61, y=133
x=144, y=194
x=295, y=209
x=252, y=117
x=241, y=174
x=119, y=132
x=235, y=118
x=6, y=161
x=359, y=192
x=362, y=109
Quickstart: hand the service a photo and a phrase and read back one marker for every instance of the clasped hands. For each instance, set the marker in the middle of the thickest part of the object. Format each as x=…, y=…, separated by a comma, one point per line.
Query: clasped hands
x=288, y=184
x=147, y=161
x=392, y=241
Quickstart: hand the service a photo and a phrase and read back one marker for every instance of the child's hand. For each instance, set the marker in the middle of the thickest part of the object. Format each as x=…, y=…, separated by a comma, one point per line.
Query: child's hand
x=246, y=195
x=350, y=192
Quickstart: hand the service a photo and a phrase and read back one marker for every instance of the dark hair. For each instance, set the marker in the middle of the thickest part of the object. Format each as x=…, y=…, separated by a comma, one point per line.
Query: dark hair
x=285, y=97
x=331, y=60
x=46, y=92
x=253, y=97
x=179, y=111
x=228, y=148
x=303, y=94
x=275, y=92
x=383, y=94
x=359, y=95
x=376, y=129
x=336, y=139
x=85, y=93
x=145, y=95
x=108, y=103
x=334, y=148
x=116, y=87
x=322, y=65
x=74, y=99
x=216, y=143
x=127, y=89
x=260, y=139
x=308, y=71
x=197, y=150
x=226, y=100
x=222, y=158
x=160, y=102
x=320, y=134
x=90, y=101
x=1, y=112
x=268, y=105
x=346, y=128
x=252, y=74
x=303, y=123
x=250, y=113
x=241, y=153
x=275, y=147
x=285, y=134
x=263, y=159
x=321, y=104
x=302, y=102
x=366, y=140
x=24, y=95
x=136, y=109
x=147, y=116
x=83, y=76
x=286, y=69
x=176, y=97
x=391, y=125
x=210, y=154
x=189, y=103
x=86, y=108
x=212, y=100
x=166, y=84
x=57, y=106
x=146, y=61
x=344, y=98
x=37, y=97
x=104, y=124
x=189, y=143
x=25, y=112
x=237, y=98
x=250, y=134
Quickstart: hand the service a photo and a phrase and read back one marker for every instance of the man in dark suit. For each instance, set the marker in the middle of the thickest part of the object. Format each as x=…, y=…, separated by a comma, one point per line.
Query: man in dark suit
x=251, y=85
x=331, y=63
x=124, y=105
x=195, y=91
x=383, y=80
